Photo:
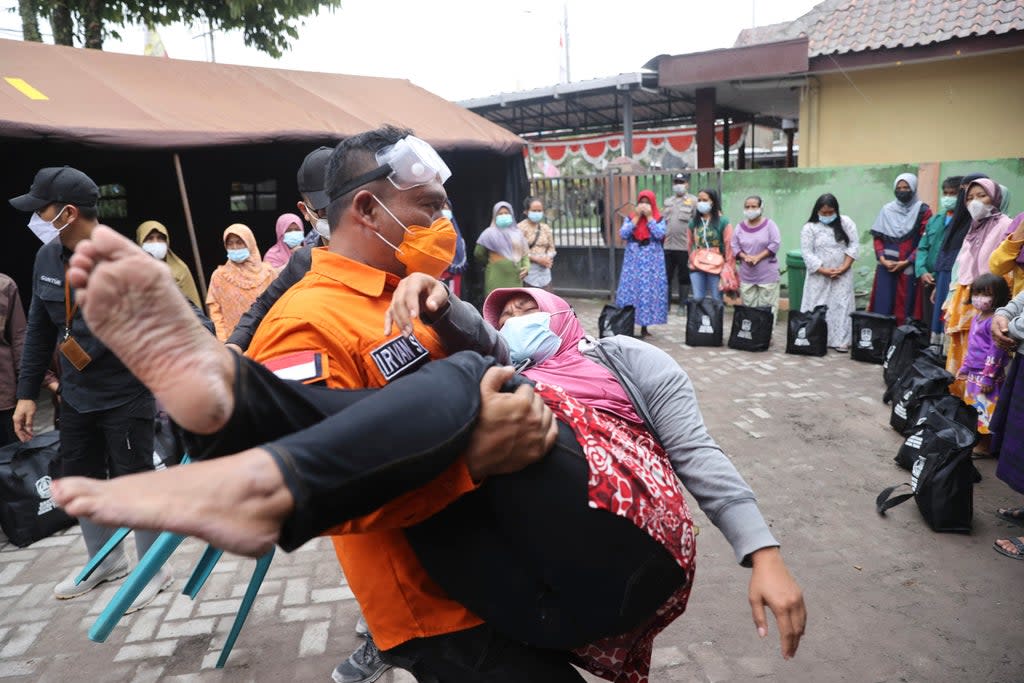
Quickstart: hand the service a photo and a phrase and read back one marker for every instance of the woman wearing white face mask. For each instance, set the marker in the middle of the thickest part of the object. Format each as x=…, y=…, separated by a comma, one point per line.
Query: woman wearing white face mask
x=235, y=285
x=503, y=250
x=155, y=240
x=756, y=242
x=541, y=241
x=988, y=228
x=830, y=245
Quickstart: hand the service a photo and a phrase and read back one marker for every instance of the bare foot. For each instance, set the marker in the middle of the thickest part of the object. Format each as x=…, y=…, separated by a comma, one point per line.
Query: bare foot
x=131, y=303
x=237, y=503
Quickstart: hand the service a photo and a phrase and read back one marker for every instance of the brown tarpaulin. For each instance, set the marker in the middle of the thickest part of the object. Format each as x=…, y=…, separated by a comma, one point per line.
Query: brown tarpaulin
x=113, y=100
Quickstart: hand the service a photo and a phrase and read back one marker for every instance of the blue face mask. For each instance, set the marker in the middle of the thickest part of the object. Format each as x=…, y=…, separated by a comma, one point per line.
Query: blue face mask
x=447, y=213
x=504, y=221
x=293, y=238
x=826, y=219
x=535, y=216
x=238, y=255
x=529, y=338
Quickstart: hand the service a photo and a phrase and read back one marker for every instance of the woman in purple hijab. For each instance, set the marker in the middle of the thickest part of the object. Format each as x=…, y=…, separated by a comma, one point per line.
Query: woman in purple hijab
x=503, y=250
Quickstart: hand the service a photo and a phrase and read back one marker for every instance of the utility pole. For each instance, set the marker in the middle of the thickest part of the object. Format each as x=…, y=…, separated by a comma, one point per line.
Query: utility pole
x=209, y=24
x=565, y=38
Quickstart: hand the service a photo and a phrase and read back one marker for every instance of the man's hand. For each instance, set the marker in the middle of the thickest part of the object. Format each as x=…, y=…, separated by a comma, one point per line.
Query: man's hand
x=24, y=415
x=771, y=585
x=415, y=294
x=1001, y=332
x=514, y=430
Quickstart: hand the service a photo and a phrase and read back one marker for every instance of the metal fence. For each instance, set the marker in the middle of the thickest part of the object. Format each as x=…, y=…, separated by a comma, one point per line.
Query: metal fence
x=585, y=213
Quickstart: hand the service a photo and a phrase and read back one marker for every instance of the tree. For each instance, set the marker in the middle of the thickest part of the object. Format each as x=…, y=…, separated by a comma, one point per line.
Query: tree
x=29, y=20
x=267, y=25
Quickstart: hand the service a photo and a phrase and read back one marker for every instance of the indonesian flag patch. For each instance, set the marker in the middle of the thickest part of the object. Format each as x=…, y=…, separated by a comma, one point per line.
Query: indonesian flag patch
x=302, y=366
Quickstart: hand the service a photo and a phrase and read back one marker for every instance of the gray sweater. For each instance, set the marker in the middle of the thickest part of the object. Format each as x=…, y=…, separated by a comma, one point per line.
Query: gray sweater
x=1014, y=312
x=671, y=402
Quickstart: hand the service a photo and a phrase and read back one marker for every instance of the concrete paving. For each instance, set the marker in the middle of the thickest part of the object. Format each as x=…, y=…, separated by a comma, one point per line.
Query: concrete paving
x=888, y=599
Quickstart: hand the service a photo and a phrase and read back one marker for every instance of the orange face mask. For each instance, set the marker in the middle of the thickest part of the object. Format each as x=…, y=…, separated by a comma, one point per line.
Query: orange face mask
x=425, y=250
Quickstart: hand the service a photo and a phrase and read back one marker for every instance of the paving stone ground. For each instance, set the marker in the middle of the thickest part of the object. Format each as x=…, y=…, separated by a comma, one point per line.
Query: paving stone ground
x=888, y=599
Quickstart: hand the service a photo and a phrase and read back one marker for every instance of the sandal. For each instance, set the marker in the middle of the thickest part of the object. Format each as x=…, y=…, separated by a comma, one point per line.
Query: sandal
x=1017, y=543
x=1015, y=515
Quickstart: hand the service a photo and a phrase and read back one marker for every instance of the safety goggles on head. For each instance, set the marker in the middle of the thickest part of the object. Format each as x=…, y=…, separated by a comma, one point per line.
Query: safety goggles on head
x=408, y=163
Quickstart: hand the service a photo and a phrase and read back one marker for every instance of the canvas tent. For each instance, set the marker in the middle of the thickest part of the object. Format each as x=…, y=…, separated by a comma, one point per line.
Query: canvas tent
x=239, y=133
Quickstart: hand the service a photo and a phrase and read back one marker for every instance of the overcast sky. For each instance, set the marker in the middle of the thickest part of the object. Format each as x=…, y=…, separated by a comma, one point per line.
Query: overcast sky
x=473, y=48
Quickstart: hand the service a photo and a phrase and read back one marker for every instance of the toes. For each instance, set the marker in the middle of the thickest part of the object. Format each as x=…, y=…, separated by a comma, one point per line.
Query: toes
x=110, y=244
x=68, y=489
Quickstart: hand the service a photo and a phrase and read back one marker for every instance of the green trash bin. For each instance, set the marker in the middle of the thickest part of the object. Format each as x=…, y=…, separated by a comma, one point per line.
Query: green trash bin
x=797, y=269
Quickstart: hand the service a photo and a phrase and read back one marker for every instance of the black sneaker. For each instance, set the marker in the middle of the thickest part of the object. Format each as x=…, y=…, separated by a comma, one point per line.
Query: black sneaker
x=363, y=666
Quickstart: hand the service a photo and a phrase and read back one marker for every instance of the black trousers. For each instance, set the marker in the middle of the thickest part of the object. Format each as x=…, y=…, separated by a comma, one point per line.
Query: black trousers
x=525, y=551
x=678, y=262
x=107, y=443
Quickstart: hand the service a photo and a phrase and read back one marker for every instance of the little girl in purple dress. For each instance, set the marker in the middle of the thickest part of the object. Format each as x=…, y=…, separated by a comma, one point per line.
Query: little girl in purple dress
x=984, y=364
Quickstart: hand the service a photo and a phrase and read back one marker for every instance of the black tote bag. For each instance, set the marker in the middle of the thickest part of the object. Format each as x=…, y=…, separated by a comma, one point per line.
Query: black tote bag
x=938, y=415
x=27, y=512
x=705, y=321
x=751, y=328
x=807, y=333
x=942, y=477
x=921, y=380
x=872, y=334
x=905, y=346
x=614, y=320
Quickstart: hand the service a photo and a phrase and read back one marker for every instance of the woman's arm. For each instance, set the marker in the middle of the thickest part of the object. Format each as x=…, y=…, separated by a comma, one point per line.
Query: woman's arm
x=853, y=248
x=657, y=229
x=698, y=461
x=480, y=253
x=1004, y=258
x=213, y=308
x=626, y=231
x=811, y=259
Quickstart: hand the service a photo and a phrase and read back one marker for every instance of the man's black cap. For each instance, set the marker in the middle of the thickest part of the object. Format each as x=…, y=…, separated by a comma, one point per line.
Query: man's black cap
x=311, y=177
x=58, y=185
x=682, y=178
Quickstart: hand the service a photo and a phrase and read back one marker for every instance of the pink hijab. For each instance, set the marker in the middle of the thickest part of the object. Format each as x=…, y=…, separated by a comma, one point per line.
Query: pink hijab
x=579, y=376
x=279, y=254
x=984, y=236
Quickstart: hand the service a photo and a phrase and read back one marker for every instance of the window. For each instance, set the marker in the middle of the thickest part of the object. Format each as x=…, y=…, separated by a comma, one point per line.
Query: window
x=260, y=196
x=113, y=202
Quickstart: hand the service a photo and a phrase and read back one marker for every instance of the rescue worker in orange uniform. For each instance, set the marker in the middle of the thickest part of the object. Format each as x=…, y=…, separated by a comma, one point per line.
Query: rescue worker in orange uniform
x=387, y=194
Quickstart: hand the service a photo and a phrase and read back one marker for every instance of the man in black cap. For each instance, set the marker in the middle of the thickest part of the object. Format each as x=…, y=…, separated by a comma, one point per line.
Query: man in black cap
x=312, y=207
x=106, y=413
x=678, y=210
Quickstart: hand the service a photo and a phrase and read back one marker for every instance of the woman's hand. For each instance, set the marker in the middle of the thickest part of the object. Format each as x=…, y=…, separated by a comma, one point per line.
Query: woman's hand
x=772, y=586
x=929, y=280
x=418, y=293
x=1001, y=333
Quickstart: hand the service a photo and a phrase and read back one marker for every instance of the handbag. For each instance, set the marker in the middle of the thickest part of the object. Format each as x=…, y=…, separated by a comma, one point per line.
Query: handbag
x=27, y=511
x=942, y=477
x=907, y=343
x=950, y=409
x=730, y=280
x=614, y=320
x=704, y=322
x=807, y=332
x=872, y=333
x=751, y=328
x=921, y=380
x=708, y=259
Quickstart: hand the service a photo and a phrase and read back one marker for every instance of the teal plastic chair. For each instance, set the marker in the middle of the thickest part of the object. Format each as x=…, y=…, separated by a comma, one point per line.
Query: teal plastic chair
x=155, y=558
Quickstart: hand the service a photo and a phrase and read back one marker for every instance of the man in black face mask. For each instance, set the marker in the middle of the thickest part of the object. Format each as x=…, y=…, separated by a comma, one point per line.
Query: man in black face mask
x=106, y=414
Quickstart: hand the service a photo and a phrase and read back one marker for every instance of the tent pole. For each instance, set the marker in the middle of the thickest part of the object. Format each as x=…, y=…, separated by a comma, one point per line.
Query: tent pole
x=191, y=227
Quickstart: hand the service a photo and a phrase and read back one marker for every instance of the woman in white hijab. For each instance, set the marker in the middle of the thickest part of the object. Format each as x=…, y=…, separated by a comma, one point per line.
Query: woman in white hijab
x=896, y=232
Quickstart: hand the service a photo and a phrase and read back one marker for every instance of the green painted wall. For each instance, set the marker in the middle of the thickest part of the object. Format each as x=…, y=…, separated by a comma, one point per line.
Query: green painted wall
x=789, y=195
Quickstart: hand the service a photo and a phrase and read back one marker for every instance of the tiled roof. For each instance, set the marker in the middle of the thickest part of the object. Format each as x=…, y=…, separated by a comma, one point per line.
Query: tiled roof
x=839, y=26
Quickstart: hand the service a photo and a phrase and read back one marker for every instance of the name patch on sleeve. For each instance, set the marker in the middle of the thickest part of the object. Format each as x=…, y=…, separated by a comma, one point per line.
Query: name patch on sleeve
x=398, y=356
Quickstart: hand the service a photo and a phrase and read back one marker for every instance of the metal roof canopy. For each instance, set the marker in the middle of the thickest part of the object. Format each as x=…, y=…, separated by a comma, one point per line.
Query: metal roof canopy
x=595, y=106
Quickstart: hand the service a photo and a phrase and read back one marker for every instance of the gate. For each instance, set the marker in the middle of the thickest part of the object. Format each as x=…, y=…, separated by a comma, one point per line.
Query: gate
x=585, y=213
